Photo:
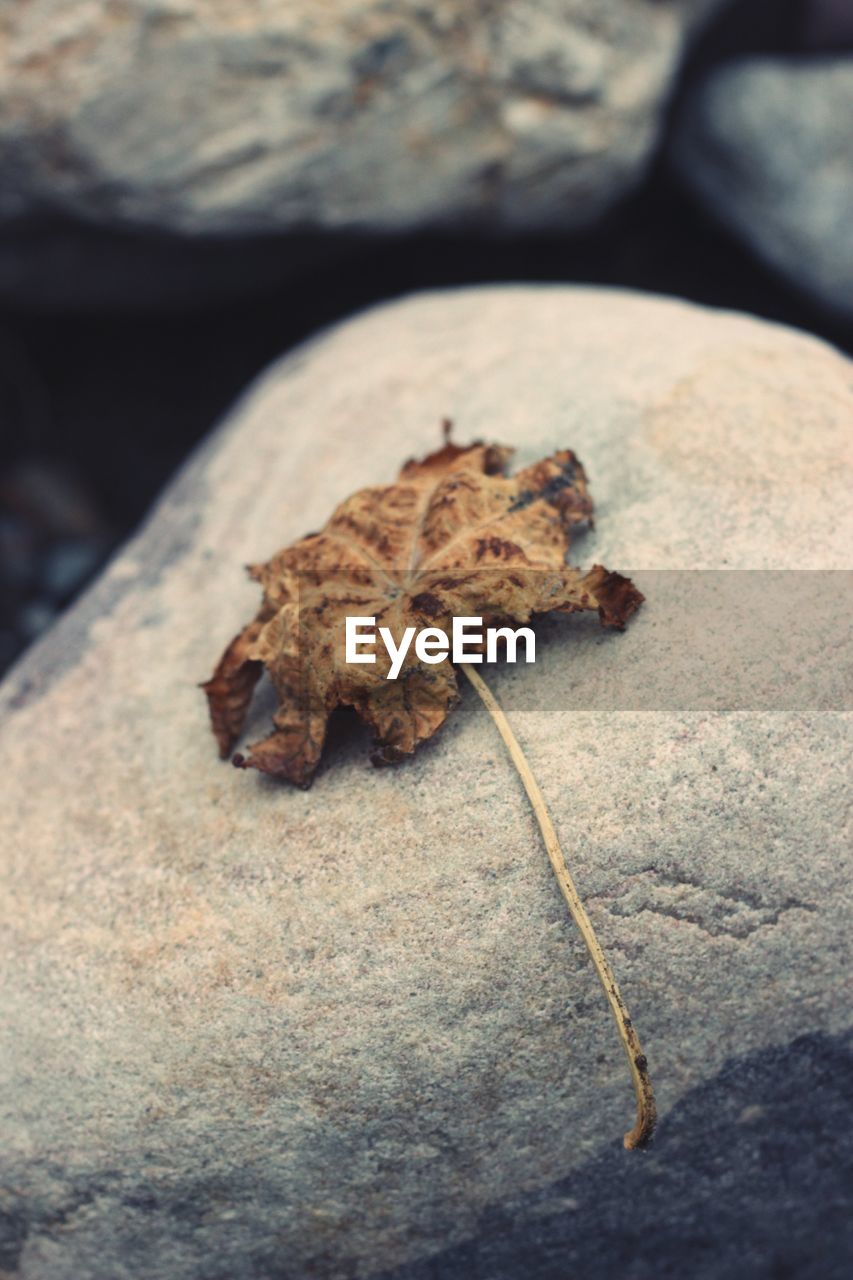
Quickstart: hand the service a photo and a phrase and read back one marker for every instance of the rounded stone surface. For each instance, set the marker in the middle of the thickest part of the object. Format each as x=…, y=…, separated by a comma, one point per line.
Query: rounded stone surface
x=256, y=1032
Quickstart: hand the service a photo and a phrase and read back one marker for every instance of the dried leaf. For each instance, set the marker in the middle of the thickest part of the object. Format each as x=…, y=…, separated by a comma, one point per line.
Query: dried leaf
x=454, y=537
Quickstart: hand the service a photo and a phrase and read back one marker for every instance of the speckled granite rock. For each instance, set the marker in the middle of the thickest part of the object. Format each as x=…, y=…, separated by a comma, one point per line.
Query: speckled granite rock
x=255, y=1032
x=766, y=145
x=240, y=118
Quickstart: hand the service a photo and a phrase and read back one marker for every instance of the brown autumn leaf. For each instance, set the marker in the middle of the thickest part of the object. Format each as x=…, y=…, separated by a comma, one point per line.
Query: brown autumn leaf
x=455, y=536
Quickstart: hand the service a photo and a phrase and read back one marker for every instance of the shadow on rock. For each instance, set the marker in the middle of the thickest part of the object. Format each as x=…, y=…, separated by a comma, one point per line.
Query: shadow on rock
x=749, y=1177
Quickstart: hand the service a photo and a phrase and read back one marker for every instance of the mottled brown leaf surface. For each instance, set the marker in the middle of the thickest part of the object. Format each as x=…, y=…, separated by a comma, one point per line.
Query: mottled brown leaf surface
x=454, y=536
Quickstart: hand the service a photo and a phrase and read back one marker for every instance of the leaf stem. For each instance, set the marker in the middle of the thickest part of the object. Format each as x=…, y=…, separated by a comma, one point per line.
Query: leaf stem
x=641, y=1133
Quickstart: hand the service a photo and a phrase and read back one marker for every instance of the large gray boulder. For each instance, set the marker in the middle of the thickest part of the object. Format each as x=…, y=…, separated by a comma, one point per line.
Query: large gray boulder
x=237, y=119
x=256, y=1032
x=767, y=146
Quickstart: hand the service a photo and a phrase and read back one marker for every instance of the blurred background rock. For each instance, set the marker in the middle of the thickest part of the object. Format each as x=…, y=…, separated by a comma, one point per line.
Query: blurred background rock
x=188, y=189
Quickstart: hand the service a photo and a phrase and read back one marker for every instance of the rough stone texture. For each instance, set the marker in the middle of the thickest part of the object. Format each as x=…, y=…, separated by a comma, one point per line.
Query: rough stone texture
x=766, y=1194
x=243, y=117
x=767, y=146
x=255, y=1032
